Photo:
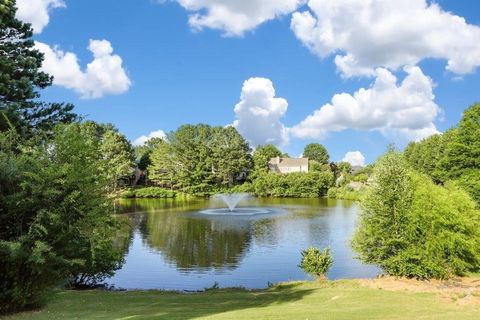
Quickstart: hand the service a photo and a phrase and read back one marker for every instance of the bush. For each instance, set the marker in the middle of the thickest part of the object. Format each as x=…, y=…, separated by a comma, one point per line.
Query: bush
x=127, y=194
x=55, y=216
x=413, y=228
x=332, y=193
x=299, y=185
x=316, y=262
x=151, y=192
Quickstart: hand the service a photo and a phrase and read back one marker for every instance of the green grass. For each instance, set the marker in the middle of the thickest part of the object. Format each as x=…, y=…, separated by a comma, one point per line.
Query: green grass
x=327, y=300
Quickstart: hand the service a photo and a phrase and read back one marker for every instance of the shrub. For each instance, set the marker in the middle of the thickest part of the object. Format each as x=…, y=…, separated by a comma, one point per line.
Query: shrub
x=316, y=262
x=151, y=192
x=332, y=193
x=301, y=185
x=413, y=228
x=55, y=216
x=154, y=192
x=127, y=194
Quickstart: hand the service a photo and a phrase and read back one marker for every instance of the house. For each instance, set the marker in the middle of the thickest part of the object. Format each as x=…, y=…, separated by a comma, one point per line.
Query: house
x=288, y=165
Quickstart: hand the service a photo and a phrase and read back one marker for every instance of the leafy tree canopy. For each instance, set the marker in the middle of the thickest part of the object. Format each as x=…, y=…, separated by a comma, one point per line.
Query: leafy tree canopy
x=316, y=152
x=403, y=209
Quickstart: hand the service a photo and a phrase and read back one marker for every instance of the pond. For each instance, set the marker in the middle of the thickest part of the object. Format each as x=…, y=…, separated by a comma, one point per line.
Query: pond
x=175, y=247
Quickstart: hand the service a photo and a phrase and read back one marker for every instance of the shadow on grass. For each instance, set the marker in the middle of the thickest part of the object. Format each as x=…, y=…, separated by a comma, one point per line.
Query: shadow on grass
x=161, y=305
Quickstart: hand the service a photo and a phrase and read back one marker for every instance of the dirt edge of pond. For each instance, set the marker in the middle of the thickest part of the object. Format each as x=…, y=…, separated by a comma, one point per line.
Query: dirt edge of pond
x=458, y=290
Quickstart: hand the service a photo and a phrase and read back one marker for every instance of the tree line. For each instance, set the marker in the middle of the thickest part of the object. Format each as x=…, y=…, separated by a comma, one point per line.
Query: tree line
x=202, y=160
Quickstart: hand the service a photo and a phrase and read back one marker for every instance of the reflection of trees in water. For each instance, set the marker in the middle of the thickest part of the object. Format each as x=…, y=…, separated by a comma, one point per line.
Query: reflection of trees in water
x=201, y=243
x=186, y=241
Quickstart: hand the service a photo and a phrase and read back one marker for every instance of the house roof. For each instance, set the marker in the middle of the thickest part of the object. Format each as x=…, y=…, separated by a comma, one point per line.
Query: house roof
x=289, y=162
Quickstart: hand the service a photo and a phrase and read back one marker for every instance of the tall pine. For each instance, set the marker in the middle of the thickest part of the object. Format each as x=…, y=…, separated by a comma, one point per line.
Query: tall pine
x=21, y=79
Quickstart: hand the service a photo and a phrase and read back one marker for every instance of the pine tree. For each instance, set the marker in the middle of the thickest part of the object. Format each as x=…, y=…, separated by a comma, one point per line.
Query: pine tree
x=21, y=79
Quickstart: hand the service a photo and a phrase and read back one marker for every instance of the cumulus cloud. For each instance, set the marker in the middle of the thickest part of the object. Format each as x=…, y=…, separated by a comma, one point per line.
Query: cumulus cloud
x=355, y=158
x=234, y=17
x=407, y=110
x=104, y=75
x=376, y=33
x=37, y=12
x=140, y=141
x=259, y=112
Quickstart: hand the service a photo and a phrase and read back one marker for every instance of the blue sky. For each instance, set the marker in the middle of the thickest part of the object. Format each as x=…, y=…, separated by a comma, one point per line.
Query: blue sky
x=175, y=69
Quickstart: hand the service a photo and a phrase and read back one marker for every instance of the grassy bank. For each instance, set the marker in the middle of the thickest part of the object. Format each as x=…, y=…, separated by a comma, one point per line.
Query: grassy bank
x=346, y=299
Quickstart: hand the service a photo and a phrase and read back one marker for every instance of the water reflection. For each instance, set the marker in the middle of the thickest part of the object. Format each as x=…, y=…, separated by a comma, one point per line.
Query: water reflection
x=173, y=247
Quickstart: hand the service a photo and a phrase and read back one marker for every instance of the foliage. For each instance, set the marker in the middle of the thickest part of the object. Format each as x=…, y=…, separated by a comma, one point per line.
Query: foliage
x=117, y=154
x=199, y=159
x=403, y=209
x=261, y=157
x=344, y=167
x=462, y=152
x=298, y=184
x=455, y=155
x=143, y=153
x=230, y=154
x=316, y=262
x=360, y=177
x=21, y=78
x=345, y=193
x=55, y=216
x=150, y=192
x=426, y=156
x=316, y=152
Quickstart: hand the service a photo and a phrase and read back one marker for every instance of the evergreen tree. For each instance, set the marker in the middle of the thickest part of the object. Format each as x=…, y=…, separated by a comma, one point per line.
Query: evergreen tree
x=21, y=79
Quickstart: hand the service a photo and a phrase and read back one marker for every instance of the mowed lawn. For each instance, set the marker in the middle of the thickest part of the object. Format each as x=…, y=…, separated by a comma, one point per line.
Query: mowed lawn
x=328, y=300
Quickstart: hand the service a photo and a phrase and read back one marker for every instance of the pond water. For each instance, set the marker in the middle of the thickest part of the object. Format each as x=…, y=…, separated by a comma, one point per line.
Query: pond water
x=172, y=245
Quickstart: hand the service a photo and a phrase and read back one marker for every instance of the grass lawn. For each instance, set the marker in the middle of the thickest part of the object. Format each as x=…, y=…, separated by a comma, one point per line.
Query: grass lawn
x=327, y=300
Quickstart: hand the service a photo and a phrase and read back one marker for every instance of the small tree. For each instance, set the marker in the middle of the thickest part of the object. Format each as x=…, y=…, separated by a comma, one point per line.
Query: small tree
x=316, y=262
x=412, y=228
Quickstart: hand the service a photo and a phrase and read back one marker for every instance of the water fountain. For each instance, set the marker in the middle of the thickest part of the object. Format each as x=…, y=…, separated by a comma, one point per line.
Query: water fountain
x=231, y=200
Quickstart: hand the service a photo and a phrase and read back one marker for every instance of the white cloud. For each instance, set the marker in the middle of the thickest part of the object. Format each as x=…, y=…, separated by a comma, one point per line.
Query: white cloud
x=36, y=12
x=259, y=112
x=406, y=110
x=377, y=33
x=140, y=141
x=235, y=17
x=355, y=158
x=104, y=75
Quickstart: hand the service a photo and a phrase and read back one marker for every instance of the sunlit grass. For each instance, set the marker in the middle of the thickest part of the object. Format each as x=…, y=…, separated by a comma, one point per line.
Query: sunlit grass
x=320, y=300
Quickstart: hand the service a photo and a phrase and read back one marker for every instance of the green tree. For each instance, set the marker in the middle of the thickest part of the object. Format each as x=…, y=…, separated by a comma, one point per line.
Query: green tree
x=344, y=167
x=403, y=209
x=55, y=216
x=161, y=168
x=231, y=155
x=142, y=153
x=262, y=156
x=462, y=153
x=426, y=156
x=118, y=156
x=200, y=159
x=21, y=78
x=316, y=152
